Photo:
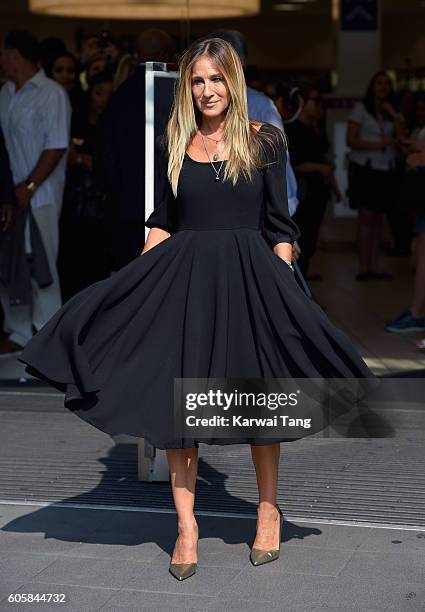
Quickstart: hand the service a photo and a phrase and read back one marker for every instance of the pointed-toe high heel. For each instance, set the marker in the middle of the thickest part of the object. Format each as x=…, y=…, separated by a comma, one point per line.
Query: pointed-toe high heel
x=260, y=557
x=181, y=571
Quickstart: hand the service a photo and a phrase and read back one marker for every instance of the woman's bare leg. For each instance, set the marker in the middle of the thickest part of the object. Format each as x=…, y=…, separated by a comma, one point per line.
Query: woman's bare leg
x=266, y=463
x=183, y=464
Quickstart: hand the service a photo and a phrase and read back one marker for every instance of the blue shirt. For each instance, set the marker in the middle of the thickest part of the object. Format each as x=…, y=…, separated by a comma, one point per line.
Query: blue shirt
x=35, y=118
x=261, y=107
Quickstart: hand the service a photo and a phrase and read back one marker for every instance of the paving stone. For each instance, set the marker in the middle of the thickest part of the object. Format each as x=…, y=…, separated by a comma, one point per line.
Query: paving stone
x=236, y=604
x=374, y=594
x=78, y=571
x=132, y=528
x=266, y=585
x=207, y=581
x=231, y=530
x=403, y=567
x=311, y=561
x=146, y=551
x=10, y=512
x=394, y=541
x=160, y=602
x=30, y=542
x=23, y=566
x=8, y=586
x=324, y=536
x=55, y=522
x=325, y=608
x=215, y=552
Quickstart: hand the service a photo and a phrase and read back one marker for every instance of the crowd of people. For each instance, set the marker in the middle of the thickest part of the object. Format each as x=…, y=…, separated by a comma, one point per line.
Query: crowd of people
x=72, y=171
x=386, y=178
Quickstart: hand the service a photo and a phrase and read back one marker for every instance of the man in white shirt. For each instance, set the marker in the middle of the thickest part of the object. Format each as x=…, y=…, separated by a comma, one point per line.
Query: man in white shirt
x=35, y=116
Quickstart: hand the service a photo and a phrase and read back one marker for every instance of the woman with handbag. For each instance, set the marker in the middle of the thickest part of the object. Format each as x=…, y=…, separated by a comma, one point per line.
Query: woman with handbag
x=373, y=128
x=212, y=296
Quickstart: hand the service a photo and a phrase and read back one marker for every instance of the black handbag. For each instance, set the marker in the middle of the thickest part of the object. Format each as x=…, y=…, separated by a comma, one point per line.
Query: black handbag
x=413, y=190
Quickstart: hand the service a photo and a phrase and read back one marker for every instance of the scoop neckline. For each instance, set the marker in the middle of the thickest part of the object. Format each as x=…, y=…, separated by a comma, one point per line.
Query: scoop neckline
x=195, y=161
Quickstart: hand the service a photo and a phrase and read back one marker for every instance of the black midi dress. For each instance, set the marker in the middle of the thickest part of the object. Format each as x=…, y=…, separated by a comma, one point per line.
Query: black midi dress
x=212, y=300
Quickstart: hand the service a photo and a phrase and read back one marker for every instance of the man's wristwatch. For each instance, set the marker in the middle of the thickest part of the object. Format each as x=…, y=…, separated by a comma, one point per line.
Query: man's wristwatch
x=31, y=185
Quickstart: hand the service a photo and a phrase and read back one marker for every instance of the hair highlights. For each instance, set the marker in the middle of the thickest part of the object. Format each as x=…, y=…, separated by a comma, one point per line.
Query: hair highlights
x=240, y=136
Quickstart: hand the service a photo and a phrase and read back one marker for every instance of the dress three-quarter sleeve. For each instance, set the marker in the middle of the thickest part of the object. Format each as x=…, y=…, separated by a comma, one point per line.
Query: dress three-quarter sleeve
x=277, y=223
x=164, y=215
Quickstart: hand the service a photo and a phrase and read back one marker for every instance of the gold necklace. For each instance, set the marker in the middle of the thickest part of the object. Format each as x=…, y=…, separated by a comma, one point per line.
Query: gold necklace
x=216, y=155
x=217, y=172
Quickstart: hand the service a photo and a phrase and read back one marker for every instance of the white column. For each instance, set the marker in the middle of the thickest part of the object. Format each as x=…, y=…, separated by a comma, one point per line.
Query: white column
x=358, y=44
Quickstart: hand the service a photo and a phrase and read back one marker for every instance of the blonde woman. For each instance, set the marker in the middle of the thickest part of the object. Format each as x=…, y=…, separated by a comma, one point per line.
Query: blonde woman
x=212, y=295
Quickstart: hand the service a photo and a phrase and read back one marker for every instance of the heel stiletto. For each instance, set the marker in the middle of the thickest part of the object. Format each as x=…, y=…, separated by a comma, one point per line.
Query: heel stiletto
x=260, y=557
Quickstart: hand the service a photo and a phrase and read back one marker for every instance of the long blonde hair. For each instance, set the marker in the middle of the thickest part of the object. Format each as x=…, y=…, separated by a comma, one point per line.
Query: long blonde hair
x=240, y=136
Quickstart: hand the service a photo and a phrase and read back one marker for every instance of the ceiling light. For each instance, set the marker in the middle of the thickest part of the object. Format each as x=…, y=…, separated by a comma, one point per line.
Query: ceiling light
x=149, y=9
x=287, y=7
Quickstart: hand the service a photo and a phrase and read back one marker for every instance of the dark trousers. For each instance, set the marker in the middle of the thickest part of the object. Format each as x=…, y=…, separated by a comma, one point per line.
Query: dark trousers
x=309, y=216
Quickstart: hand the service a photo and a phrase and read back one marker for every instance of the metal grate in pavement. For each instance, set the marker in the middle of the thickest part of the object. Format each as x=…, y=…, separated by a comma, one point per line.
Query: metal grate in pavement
x=49, y=455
